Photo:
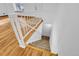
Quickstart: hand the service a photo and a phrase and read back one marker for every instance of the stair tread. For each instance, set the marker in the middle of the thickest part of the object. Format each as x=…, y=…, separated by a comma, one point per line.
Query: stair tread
x=43, y=43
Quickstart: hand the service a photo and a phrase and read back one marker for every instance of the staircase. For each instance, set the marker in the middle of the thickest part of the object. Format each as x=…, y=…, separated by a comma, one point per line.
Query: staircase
x=9, y=43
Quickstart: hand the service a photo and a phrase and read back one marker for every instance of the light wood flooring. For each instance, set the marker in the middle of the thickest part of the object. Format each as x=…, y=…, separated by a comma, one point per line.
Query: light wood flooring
x=9, y=45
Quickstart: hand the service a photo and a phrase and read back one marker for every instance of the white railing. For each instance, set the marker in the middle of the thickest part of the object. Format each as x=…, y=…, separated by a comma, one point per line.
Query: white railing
x=22, y=26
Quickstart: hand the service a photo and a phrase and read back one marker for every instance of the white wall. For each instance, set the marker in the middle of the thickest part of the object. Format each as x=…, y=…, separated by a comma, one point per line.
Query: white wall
x=67, y=29
x=46, y=30
x=65, y=33
x=6, y=8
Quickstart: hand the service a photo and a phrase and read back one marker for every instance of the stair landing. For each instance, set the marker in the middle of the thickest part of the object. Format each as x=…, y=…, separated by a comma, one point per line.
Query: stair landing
x=43, y=43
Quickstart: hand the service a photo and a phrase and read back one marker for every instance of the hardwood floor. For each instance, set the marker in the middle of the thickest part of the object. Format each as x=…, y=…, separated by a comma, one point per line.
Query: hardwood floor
x=9, y=45
x=3, y=19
